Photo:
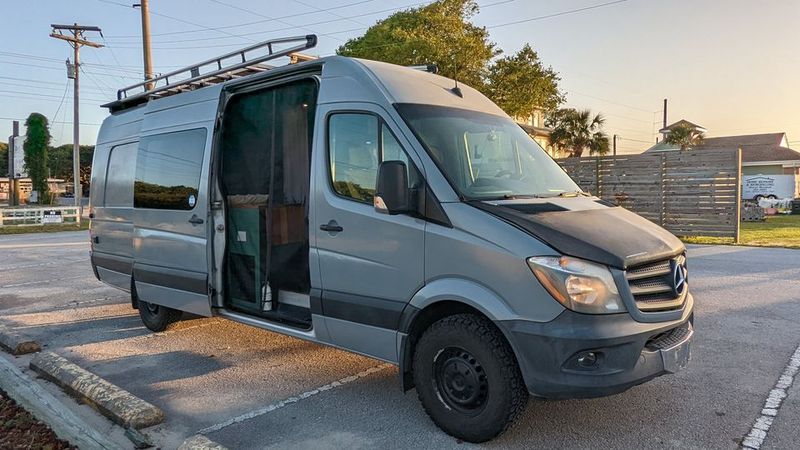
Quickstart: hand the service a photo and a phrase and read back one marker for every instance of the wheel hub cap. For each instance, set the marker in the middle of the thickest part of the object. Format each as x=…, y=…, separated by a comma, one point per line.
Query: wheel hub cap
x=461, y=381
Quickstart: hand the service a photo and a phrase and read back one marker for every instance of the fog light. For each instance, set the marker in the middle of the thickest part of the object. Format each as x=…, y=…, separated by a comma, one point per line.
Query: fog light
x=587, y=359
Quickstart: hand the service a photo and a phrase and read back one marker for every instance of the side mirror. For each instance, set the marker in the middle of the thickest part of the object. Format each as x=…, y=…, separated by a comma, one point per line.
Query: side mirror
x=391, y=192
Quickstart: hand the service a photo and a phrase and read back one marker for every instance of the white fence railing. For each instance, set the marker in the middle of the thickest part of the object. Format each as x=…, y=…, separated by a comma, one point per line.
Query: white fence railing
x=39, y=216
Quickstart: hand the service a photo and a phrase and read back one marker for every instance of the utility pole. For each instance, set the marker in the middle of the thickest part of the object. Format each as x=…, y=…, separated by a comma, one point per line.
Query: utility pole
x=76, y=40
x=615, y=145
x=148, y=61
x=12, y=171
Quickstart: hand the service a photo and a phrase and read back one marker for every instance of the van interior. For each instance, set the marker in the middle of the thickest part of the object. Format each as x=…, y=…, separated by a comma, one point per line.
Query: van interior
x=264, y=177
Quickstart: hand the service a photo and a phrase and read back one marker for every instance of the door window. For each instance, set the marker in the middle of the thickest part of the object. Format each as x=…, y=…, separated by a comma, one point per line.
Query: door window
x=168, y=170
x=357, y=144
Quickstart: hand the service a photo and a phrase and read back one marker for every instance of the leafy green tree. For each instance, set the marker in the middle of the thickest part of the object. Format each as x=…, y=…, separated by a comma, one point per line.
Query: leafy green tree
x=438, y=33
x=520, y=83
x=37, y=140
x=3, y=159
x=60, y=163
x=685, y=137
x=576, y=131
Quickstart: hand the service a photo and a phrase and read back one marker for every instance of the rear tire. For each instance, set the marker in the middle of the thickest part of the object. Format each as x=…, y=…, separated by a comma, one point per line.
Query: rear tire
x=467, y=378
x=156, y=317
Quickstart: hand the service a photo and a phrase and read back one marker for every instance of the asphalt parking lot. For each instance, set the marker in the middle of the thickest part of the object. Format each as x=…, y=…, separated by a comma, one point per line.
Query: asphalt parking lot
x=248, y=388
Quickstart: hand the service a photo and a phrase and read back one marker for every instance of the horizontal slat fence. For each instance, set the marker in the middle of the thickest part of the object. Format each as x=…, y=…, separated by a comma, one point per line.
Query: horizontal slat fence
x=690, y=193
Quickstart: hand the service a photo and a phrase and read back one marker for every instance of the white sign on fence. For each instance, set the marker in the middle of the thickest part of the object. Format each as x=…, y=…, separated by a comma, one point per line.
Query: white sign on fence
x=780, y=186
x=52, y=216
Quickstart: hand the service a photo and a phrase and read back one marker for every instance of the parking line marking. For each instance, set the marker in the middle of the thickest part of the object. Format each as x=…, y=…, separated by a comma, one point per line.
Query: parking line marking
x=295, y=399
x=758, y=433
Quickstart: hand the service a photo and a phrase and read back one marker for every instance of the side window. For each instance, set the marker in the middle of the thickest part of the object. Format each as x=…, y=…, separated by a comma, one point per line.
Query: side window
x=353, y=147
x=357, y=144
x=168, y=170
x=119, y=176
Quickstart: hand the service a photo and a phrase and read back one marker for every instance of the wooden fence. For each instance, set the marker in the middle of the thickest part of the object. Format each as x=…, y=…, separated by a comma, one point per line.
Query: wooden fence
x=690, y=193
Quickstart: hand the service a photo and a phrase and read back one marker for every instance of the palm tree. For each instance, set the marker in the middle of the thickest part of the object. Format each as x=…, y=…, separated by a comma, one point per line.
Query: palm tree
x=577, y=131
x=685, y=136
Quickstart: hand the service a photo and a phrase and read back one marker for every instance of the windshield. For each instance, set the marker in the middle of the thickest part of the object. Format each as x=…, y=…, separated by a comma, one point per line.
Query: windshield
x=485, y=156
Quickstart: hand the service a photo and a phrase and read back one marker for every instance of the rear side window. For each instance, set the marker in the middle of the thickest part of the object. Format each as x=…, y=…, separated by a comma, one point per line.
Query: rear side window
x=168, y=170
x=119, y=176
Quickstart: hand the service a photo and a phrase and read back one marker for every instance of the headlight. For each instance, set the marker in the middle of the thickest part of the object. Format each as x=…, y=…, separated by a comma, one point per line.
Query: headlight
x=579, y=285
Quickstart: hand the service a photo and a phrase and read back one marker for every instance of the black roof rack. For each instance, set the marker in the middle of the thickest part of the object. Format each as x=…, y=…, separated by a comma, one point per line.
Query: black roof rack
x=243, y=62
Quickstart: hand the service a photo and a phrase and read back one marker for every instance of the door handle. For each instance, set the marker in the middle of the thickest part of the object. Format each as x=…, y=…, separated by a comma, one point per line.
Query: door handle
x=331, y=227
x=195, y=220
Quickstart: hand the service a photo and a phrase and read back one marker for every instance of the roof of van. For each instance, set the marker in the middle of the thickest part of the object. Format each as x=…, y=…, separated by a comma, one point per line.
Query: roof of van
x=344, y=79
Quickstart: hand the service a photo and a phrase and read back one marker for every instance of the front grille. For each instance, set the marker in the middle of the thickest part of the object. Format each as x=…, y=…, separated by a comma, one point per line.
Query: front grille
x=652, y=285
x=669, y=338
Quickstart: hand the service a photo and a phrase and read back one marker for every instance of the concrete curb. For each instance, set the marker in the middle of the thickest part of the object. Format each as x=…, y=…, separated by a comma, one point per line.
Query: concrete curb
x=117, y=404
x=200, y=442
x=45, y=407
x=17, y=344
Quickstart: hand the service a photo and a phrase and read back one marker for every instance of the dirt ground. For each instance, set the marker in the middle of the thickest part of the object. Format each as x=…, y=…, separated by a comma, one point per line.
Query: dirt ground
x=19, y=430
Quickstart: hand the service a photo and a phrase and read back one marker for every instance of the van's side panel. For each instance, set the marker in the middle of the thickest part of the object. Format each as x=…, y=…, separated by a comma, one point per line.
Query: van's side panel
x=170, y=242
x=111, y=198
x=113, y=221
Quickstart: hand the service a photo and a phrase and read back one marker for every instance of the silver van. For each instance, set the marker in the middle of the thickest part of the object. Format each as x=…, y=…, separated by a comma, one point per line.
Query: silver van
x=390, y=212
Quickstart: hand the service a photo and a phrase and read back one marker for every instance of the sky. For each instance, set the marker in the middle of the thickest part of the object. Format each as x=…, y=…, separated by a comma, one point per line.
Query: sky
x=732, y=66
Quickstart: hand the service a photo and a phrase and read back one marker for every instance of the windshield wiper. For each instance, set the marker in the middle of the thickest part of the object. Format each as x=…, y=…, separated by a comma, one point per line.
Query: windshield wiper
x=567, y=194
x=518, y=196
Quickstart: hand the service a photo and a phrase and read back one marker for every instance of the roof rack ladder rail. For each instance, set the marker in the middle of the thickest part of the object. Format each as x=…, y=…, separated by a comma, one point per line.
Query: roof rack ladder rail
x=307, y=41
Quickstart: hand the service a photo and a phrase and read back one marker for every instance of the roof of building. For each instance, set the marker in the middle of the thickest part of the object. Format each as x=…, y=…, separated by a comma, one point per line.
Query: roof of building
x=755, y=147
x=536, y=131
x=682, y=122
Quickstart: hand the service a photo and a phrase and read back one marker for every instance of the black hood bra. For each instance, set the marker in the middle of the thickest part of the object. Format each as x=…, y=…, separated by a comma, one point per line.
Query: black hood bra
x=612, y=235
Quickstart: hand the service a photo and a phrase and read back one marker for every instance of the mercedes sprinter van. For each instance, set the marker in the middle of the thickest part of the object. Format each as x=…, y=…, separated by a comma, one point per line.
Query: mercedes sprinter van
x=390, y=212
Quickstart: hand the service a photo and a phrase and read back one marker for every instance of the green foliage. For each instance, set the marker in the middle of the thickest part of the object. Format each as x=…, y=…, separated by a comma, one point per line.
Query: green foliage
x=37, y=140
x=520, y=83
x=576, y=131
x=60, y=163
x=3, y=159
x=439, y=33
x=685, y=137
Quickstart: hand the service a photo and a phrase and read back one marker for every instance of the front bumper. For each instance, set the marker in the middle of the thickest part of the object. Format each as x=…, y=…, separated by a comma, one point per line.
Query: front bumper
x=627, y=352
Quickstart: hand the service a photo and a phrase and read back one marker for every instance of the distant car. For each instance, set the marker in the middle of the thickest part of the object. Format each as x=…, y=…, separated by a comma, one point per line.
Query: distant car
x=68, y=195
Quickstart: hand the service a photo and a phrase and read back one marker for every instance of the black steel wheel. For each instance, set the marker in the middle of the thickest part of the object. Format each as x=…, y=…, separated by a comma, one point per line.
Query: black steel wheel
x=460, y=380
x=157, y=317
x=467, y=378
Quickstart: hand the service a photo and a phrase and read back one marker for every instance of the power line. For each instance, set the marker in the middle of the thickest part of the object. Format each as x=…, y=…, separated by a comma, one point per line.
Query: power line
x=613, y=102
x=562, y=13
x=634, y=140
x=61, y=103
x=178, y=20
x=254, y=22
x=285, y=29
x=311, y=24
x=270, y=18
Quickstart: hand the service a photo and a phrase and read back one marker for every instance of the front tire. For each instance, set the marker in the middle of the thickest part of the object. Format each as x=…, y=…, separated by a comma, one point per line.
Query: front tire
x=467, y=378
x=156, y=317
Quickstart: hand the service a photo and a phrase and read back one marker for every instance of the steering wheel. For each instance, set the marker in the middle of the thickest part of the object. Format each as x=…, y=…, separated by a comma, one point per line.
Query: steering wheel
x=504, y=173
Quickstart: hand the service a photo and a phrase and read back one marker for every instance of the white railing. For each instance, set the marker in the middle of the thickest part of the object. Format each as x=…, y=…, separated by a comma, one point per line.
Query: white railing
x=39, y=216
